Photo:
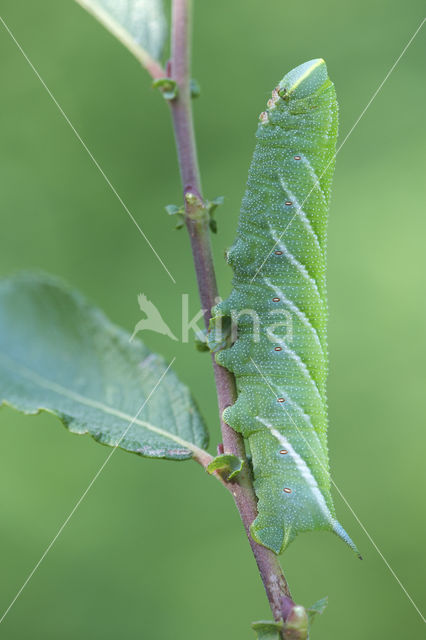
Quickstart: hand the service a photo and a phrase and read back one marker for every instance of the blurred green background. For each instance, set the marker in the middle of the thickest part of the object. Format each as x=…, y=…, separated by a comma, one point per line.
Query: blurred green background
x=157, y=549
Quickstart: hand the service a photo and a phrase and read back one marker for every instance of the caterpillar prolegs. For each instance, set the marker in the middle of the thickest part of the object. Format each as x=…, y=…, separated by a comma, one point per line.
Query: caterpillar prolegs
x=279, y=306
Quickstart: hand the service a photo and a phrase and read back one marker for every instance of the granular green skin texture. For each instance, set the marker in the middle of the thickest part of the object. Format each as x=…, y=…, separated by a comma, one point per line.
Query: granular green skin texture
x=279, y=265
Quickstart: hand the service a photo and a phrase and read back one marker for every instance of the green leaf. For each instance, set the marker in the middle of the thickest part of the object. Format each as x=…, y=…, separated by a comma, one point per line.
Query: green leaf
x=195, y=88
x=211, y=206
x=266, y=630
x=200, y=341
x=297, y=625
x=167, y=86
x=217, y=202
x=219, y=334
x=317, y=608
x=173, y=209
x=139, y=24
x=61, y=355
x=227, y=464
x=179, y=212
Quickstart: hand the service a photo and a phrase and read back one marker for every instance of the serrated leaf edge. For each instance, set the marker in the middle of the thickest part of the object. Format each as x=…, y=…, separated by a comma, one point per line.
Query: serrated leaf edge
x=89, y=402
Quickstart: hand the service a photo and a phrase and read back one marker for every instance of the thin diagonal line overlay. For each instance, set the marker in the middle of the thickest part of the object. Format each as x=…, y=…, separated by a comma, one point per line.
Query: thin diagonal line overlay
x=90, y=154
x=345, y=139
x=342, y=496
x=84, y=494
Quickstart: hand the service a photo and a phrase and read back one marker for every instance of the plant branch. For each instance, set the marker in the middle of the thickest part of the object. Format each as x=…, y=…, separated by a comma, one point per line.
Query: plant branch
x=197, y=223
x=154, y=69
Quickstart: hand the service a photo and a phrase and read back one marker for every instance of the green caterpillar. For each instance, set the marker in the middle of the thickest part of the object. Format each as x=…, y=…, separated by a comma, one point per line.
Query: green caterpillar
x=279, y=264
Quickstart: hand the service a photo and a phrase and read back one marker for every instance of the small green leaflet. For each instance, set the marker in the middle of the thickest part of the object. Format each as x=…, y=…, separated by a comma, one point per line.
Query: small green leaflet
x=228, y=465
x=266, y=630
x=61, y=355
x=296, y=627
x=139, y=24
x=278, y=306
x=317, y=608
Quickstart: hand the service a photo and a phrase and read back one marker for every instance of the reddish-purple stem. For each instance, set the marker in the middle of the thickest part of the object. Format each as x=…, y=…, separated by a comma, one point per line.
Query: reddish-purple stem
x=242, y=489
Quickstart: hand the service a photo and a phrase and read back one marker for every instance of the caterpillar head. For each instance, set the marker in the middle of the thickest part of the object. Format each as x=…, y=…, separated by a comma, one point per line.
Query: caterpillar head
x=304, y=80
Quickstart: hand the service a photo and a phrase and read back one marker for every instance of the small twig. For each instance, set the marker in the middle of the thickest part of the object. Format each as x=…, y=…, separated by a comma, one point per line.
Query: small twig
x=154, y=69
x=197, y=223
